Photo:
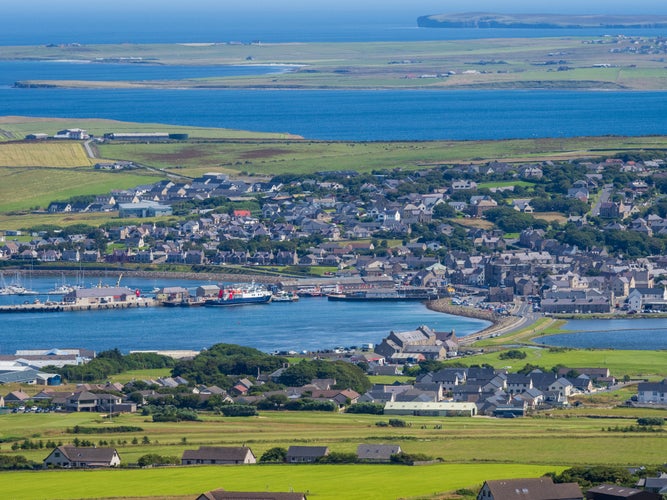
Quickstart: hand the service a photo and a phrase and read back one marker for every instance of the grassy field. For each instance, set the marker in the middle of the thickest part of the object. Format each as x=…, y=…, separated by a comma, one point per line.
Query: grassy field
x=302, y=157
x=14, y=128
x=472, y=450
x=24, y=188
x=58, y=171
x=504, y=63
x=642, y=364
x=379, y=482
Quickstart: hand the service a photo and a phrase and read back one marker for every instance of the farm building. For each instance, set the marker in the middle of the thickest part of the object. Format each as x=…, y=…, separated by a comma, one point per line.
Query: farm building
x=431, y=409
x=143, y=209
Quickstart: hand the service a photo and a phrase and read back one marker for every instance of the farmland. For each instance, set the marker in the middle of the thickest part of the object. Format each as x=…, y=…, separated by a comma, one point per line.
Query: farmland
x=471, y=449
x=545, y=63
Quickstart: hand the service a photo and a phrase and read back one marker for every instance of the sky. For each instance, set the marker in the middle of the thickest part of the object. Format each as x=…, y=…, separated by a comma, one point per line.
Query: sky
x=49, y=21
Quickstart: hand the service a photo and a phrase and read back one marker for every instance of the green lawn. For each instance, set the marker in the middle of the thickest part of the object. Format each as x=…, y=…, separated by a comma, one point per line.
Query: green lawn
x=380, y=482
x=636, y=364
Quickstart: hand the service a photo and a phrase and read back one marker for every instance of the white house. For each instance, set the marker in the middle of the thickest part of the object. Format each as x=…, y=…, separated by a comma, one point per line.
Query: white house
x=652, y=392
x=76, y=457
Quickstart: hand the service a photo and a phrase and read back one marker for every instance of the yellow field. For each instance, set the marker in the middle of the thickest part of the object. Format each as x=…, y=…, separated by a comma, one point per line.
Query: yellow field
x=44, y=154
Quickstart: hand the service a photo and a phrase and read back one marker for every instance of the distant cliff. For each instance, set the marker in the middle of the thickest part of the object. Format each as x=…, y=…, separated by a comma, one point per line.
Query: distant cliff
x=538, y=21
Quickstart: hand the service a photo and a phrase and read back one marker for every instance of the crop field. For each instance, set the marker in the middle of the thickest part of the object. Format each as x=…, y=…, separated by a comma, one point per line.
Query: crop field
x=57, y=154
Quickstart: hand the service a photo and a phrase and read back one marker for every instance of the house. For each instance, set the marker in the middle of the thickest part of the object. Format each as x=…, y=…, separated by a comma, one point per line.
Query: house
x=431, y=409
x=76, y=457
x=250, y=495
x=305, y=454
x=651, y=392
x=615, y=492
x=218, y=455
x=377, y=452
x=541, y=488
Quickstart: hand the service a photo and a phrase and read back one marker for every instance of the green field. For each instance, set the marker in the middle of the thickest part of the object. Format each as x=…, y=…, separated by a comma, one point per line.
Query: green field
x=55, y=171
x=472, y=450
x=379, y=482
x=636, y=364
x=484, y=63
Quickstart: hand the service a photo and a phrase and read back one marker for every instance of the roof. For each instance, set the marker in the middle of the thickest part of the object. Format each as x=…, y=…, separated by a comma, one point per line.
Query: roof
x=439, y=406
x=612, y=490
x=227, y=453
x=250, y=495
x=90, y=455
x=377, y=451
x=307, y=451
x=541, y=488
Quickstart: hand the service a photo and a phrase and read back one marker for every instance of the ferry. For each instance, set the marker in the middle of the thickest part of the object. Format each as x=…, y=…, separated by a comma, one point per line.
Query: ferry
x=386, y=294
x=237, y=295
x=284, y=296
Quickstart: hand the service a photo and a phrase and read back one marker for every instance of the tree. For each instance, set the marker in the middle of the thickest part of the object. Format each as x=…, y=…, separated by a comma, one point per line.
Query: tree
x=274, y=455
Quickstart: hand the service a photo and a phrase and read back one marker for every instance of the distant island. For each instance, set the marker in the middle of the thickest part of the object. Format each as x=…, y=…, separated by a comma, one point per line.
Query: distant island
x=539, y=21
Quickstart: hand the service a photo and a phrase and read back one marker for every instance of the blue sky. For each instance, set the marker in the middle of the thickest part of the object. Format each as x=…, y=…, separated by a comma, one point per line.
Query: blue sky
x=338, y=7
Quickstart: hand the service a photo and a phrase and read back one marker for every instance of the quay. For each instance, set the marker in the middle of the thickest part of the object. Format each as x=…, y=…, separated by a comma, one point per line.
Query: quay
x=69, y=307
x=87, y=299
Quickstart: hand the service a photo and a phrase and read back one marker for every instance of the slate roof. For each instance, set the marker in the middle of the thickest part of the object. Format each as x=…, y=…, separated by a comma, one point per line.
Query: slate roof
x=542, y=488
x=377, y=451
x=218, y=453
x=250, y=495
x=88, y=455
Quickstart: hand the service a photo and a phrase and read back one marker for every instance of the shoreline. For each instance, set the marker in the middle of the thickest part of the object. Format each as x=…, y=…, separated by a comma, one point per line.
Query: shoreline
x=499, y=324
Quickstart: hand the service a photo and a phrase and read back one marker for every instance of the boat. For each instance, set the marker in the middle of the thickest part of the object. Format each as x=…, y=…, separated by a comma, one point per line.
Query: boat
x=236, y=295
x=61, y=288
x=16, y=288
x=386, y=294
x=284, y=296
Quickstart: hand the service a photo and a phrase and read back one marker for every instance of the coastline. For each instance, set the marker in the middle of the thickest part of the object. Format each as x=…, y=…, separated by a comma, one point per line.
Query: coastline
x=499, y=324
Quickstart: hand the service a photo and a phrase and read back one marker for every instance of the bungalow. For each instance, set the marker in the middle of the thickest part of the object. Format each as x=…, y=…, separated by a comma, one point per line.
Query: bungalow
x=377, y=452
x=651, y=392
x=250, y=495
x=76, y=457
x=305, y=454
x=431, y=409
x=541, y=488
x=218, y=455
x=616, y=492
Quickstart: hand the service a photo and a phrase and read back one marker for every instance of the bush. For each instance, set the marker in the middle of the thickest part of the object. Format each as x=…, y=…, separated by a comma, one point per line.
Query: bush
x=338, y=458
x=409, y=458
x=646, y=421
x=274, y=455
x=396, y=422
x=513, y=354
x=368, y=408
x=155, y=459
x=239, y=411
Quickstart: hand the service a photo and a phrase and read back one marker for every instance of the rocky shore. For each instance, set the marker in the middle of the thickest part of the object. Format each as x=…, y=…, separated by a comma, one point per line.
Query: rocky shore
x=498, y=323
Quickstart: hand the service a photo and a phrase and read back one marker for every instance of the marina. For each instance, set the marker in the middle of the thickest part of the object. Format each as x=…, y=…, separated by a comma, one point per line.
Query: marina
x=311, y=324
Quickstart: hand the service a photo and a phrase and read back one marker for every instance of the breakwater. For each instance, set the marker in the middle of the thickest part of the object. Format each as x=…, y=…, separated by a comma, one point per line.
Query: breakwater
x=53, y=307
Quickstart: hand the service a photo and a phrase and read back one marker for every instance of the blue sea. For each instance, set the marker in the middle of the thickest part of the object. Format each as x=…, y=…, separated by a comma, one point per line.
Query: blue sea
x=310, y=324
x=625, y=334
x=355, y=115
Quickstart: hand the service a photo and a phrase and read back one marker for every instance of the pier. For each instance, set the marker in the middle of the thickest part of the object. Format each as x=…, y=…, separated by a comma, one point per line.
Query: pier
x=45, y=307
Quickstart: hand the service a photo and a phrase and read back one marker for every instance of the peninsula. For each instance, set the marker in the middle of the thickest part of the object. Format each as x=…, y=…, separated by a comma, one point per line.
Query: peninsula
x=539, y=21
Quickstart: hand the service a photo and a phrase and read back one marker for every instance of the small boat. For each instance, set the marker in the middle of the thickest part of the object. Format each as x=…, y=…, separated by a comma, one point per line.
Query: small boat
x=237, y=295
x=284, y=296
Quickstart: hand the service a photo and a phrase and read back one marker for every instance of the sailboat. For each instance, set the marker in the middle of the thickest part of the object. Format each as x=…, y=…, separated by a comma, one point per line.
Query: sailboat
x=61, y=288
x=16, y=288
